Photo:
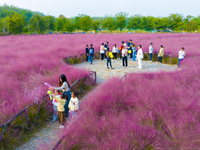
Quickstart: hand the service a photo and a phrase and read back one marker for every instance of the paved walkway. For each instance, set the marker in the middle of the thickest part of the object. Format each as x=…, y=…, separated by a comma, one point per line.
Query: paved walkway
x=46, y=137
x=104, y=74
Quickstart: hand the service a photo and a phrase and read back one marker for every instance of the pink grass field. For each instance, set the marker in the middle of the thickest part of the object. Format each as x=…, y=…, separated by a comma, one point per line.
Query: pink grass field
x=160, y=108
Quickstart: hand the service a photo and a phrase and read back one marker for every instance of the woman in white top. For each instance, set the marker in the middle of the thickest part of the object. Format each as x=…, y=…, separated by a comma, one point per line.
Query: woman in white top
x=102, y=51
x=65, y=87
x=181, y=55
x=124, y=56
x=140, y=56
x=114, y=51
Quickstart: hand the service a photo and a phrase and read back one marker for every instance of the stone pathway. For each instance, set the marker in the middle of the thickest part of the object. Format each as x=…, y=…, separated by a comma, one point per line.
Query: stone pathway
x=104, y=74
x=46, y=137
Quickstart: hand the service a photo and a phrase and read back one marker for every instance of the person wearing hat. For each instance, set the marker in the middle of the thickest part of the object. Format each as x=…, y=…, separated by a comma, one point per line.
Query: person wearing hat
x=106, y=48
x=161, y=54
x=151, y=52
x=181, y=55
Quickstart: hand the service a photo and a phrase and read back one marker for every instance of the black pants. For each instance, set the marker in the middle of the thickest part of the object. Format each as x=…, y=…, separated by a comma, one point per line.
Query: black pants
x=124, y=61
x=105, y=53
x=115, y=55
x=102, y=56
x=160, y=59
x=86, y=57
x=120, y=54
x=109, y=61
x=131, y=54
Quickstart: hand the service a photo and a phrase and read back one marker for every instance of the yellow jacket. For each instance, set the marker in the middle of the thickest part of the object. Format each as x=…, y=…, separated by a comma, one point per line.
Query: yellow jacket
x=61, y=104
x=161, y=53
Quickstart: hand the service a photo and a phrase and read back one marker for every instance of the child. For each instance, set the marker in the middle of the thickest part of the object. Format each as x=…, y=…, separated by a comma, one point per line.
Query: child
x=87, y=52
x=151, y=52
x=102, y=51
x=124, y=56
x=91, y=53
x=140, y=56
x=108, y=60
x=61, y=109
x=181, y=55
x=73, y=105
x=55, y=104
x=161, y=54
x=114, y=51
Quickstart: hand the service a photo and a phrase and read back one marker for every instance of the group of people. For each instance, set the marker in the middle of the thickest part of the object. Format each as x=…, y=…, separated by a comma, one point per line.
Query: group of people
x=65, y=103
x=126, y=50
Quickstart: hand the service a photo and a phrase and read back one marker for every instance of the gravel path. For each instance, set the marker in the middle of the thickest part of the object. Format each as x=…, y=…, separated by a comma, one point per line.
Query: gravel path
x=46, y=137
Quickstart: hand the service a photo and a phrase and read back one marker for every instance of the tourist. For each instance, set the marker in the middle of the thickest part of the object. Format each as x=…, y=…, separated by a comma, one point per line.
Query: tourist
x=87, y=52
x=61, y=108
x=106, y=48
x=91, y=53
x=114, y=51
x=161, y=54
x=55, y=104
x=134, y=52
x=73, y=105
x=102, y=51
x=129, y=45
x=65, y=87
x=181, y=55
x=124, y=56
x=151, y=52
x=140, y=56
x=120, y=53
x=108, y=60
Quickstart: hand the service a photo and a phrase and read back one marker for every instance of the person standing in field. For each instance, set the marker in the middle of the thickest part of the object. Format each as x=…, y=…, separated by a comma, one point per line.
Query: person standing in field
x=124, y=56
x=140, y=56
x=114, y=51
x=120, y=53
x=106, y=48
x=108, y=60
x=61, y=108
x=151, y=52
x=130, y=47
x=87, y=52
x=73, y=105
x=65, y=87
x=102, y=51
x=161, y=54
x=181, y=55
x=134, y=52
x=91, y=54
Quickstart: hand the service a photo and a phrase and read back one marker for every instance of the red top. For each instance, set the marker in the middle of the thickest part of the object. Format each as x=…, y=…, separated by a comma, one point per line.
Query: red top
x=121, y=47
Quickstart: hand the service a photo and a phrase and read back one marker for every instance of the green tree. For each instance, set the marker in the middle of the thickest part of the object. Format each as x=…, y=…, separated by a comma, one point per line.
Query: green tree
x=160, y=23
x=50, y=23
x=77, y=25
x=147, y=23
x=121, y=20
x=69, y=25
x=3, y=27
x=95, y=25
x=175, y=21
x=85, y=22
x=60, y=24
x=37, y=23
x=15, y=23
x=109, y=23
x=134, y=22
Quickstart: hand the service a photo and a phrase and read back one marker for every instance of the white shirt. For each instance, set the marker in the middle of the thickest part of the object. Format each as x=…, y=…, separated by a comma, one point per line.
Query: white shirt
x=140, y=53
x=181, y=54
x=151, y=49
x=73, y=104
x=54, y=102
x=124, y=52
x=64, y=87
x=115, y=50
x=102, y=49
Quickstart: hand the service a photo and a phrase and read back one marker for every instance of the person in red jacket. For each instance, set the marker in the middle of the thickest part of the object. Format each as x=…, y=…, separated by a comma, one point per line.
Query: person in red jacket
x=120, y=53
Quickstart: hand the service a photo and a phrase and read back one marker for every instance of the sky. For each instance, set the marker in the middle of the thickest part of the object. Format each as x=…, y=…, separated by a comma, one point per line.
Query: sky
x=100, y=8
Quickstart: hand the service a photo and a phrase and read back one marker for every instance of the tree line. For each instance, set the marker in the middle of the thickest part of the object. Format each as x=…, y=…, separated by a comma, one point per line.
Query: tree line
x=18, y=21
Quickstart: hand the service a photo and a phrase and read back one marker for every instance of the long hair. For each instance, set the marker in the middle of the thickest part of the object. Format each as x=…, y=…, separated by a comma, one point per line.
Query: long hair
x=64, y=79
